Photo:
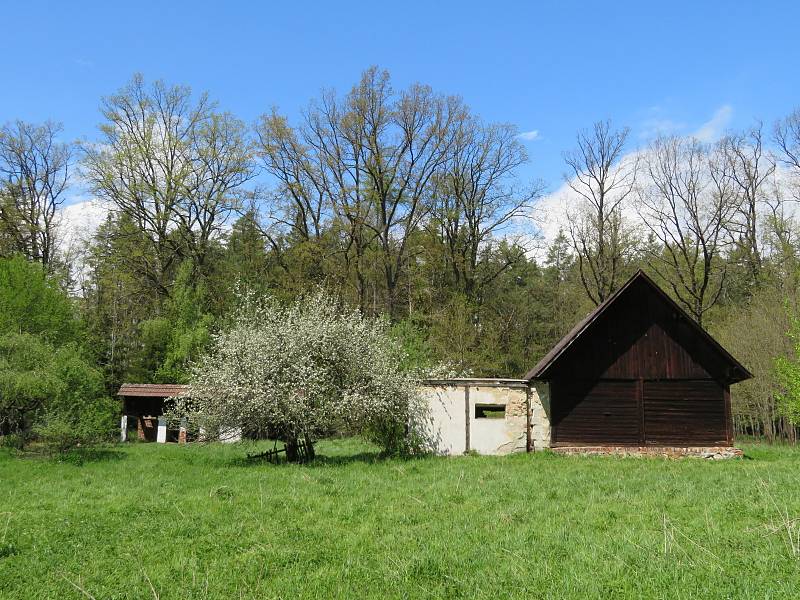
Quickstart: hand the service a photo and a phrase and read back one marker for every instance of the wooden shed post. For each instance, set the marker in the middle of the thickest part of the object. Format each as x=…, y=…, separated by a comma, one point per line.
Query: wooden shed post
x=728, y=415
x=182, y=431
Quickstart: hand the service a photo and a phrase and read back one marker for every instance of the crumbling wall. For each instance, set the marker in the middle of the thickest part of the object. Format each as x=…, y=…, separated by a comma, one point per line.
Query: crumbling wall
x=540, y=414
x=488, y=416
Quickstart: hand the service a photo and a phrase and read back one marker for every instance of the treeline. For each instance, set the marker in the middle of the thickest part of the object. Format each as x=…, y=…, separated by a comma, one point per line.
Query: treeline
x=406, y=205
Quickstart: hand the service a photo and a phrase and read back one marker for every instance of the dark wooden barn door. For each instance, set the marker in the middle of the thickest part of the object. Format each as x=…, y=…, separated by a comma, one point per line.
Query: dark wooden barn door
x=604, y=412
x=634, y=412
x=678, y=413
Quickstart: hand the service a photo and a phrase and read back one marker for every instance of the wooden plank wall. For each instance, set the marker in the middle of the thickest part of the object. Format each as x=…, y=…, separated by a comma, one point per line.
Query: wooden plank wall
x=640, y=337
x=682, y=412
x=647, y=378
x=639, y=412
x=601, y=412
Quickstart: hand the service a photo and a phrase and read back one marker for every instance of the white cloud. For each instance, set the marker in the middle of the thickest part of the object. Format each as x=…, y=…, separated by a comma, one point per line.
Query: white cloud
x=552, y=212
x=77, y=224
x=713, y=129
x=529, y=136
x=654, y=127
x=79, y=221
x=656, y=121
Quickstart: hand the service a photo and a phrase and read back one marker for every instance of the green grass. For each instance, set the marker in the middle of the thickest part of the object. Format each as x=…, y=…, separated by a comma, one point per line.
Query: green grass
x=147, y=520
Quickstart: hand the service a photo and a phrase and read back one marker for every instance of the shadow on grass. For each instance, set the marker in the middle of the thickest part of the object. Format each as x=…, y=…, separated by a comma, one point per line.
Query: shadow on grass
x=75, y=456
x=8, y=549
x=326, y=460
x=321, y=460
x=82, y=455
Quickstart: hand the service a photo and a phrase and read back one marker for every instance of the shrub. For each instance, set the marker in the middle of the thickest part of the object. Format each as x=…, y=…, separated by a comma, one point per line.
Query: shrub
x=15, y=441
x=54, y=392
x=88, y=424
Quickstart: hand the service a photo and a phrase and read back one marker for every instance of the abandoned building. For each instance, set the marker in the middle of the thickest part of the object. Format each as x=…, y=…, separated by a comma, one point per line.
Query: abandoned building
x=143, y=411
x=636, y=373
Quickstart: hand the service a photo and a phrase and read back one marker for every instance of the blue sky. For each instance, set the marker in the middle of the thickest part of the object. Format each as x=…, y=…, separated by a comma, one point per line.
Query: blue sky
x=549, y=67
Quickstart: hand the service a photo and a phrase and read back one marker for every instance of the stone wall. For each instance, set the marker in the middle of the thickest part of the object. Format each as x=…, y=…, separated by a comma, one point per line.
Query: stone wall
x=709, y=452
x=540, y=414
x=459, y=421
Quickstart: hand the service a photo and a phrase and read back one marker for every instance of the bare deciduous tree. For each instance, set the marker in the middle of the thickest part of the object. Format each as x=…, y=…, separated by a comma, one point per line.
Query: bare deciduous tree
x=750, y=170
x=784, y=189
x=405, y=138
x=371, y=157
x=36, y=168
x=603, y=179
x=686, y=203
x=171, y=163
x=476, y=199
x=318, y=167
x=787, y=138
x=303, y=185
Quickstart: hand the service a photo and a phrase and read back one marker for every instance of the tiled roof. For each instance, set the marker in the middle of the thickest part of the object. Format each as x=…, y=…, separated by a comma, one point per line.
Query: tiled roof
x=153, y=390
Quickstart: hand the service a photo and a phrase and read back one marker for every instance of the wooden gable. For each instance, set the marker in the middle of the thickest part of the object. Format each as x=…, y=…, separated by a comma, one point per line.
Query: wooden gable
x=639, y=333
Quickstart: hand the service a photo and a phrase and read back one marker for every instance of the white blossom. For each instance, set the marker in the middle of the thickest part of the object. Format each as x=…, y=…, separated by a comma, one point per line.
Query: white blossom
x=303, y=371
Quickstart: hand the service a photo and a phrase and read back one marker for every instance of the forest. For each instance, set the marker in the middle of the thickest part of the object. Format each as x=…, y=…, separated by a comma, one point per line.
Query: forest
x=402, y=203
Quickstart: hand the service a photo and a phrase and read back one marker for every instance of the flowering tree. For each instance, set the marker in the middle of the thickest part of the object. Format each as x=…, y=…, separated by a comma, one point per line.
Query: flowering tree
x=298, y=372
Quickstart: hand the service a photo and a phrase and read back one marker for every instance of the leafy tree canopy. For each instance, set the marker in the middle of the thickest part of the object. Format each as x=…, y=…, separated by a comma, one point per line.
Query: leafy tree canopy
x=32, y=303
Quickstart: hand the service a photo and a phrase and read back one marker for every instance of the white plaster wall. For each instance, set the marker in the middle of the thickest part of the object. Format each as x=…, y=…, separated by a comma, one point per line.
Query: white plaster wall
x=447, y=418
x=446, y=401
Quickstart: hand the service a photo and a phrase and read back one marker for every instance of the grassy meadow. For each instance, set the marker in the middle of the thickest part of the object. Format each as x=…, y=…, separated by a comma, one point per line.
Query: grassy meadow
x=155, y=521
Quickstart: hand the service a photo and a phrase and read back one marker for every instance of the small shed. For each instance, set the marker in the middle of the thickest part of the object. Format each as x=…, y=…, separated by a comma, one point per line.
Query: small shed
x=143, y=406
x=639, y=371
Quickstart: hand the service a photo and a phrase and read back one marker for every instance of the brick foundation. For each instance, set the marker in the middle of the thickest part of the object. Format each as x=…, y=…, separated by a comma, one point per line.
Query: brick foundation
x=709, y=452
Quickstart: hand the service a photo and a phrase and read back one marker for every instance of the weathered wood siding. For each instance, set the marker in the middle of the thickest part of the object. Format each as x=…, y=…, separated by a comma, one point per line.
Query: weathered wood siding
x=595, y=412
x=645, y=378
x=641, y=337
x=684, y=412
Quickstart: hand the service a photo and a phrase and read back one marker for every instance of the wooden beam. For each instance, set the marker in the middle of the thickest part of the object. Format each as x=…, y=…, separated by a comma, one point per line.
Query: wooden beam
x=728, y=415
